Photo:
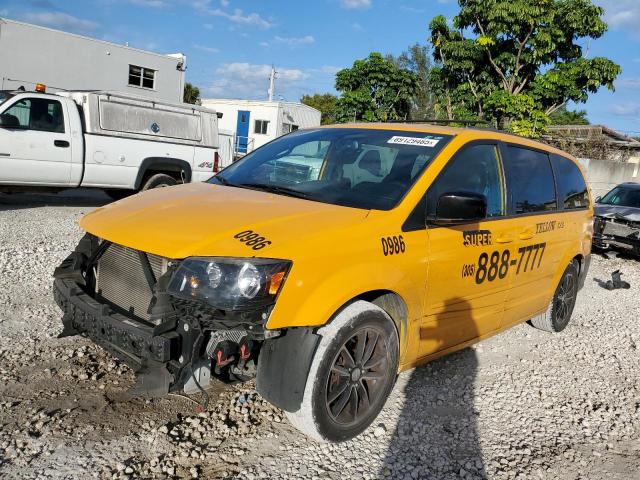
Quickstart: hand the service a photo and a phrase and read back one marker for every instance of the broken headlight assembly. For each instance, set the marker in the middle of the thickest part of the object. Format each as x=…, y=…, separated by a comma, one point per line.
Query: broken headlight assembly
x=229, y=283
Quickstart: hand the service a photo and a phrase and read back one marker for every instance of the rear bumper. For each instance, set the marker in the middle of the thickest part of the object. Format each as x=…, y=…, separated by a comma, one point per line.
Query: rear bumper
x=131, y=341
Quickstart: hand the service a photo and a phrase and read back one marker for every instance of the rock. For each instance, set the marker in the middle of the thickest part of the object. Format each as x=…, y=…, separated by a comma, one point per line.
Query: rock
x=379, y=430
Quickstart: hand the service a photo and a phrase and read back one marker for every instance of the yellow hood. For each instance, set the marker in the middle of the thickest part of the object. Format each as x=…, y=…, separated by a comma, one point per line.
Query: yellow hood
x=200, y=219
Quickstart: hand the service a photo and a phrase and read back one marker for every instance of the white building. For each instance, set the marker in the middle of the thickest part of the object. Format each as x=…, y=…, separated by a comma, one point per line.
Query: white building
x=256, y=122
x=30, y=54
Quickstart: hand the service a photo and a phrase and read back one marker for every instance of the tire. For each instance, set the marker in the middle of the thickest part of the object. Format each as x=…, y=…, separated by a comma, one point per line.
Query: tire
x=159, y=180
x=337, y=380
x=557, y=316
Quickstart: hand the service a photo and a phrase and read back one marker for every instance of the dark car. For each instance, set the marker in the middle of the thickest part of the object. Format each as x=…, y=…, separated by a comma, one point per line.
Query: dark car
x=617, y=219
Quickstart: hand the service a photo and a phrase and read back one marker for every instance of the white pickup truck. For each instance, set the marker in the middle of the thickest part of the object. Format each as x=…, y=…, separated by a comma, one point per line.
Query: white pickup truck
x=108, y=140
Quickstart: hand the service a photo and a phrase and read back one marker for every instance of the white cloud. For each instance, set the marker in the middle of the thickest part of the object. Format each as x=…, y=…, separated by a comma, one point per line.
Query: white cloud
x=152, y=3
x=208, y=26
x=331, y=69
x=357, y=27
x=204, y=48
x=238, y=16
x=245, y=80
x=629, y=82
x=407, y=8
x=629, y=109
x=264, y=44
x=60, y=20
x=355, y=4
x=225, y=3
x=621, y=13
x=295, y=41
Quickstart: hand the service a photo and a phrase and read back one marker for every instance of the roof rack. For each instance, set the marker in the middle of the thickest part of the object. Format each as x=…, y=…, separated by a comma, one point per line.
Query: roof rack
x=445, y=122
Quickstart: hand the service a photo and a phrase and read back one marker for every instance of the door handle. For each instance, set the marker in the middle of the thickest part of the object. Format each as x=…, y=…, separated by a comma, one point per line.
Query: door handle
x=5, y=154
x=61, y=143
x=505, y=239
x=526, y=235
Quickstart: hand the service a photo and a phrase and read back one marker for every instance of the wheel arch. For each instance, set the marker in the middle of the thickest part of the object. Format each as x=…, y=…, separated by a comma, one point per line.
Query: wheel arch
x=168, y=165
x=282, y=382
x=393, y=305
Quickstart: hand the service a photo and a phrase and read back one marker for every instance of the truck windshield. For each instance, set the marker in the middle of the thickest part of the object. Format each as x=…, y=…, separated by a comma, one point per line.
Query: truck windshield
x=622, y=197
x=353, y=167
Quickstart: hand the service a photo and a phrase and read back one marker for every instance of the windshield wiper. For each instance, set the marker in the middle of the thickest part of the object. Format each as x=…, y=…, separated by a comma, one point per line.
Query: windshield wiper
x=274, y=189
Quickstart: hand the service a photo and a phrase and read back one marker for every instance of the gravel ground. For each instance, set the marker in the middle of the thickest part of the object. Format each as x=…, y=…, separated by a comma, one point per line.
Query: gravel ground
x=524, y=404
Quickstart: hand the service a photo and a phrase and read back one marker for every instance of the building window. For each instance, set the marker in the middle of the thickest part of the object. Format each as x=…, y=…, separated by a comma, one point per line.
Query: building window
x=142, y=77
x=261, y=127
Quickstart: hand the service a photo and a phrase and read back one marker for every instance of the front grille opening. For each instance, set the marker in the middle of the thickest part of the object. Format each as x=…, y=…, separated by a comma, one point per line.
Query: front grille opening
x=121, y=281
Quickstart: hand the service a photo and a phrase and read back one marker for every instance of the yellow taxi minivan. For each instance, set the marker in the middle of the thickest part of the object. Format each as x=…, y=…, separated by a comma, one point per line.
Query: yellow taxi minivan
x=329, y=260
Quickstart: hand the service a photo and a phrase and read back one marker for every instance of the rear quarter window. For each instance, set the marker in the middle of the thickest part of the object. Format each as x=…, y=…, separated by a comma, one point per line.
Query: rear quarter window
x=530, y=183
x=572, y=189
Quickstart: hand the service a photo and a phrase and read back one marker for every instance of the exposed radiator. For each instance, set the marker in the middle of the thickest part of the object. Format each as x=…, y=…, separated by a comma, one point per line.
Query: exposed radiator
x=120, y=279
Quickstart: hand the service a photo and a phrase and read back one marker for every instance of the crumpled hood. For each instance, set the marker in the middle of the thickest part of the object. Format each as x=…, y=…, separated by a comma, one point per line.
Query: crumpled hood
x=630, y=214
x=200, y=219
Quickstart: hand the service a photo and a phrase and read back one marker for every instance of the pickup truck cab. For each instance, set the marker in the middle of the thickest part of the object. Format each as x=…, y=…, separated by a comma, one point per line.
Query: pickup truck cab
x=100, y=139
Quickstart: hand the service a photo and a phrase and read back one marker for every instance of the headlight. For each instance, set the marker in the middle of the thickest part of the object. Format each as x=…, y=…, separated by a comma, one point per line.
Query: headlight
x=229, y=283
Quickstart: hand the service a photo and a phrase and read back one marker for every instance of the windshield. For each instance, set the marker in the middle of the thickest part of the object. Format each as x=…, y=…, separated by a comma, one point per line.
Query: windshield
x=622, y=197
x=354, y=167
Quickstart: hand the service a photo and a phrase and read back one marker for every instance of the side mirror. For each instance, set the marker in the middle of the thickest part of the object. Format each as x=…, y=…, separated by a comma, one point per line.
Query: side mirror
x=457, y=208
x=597, y=200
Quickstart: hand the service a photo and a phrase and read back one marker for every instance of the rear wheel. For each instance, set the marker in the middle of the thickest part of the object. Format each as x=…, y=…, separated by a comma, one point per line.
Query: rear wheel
x=159, y=180
x=352, y=373
x=557, y=316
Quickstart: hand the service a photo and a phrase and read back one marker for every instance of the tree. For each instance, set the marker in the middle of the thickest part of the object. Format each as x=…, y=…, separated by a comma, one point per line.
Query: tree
x=375, y=89
x=416, y=59
x=516, y=62
x=569, y=117
x=326, y=103
x=191, y=94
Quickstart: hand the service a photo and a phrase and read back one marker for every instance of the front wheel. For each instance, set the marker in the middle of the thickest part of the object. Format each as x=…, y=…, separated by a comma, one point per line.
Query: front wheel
x=557, y=316
x=352, y=374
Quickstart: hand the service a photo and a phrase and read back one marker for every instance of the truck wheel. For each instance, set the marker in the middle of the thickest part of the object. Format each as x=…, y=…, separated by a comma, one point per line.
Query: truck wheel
x=353, y=371
x=159, y=180
x=557, y=316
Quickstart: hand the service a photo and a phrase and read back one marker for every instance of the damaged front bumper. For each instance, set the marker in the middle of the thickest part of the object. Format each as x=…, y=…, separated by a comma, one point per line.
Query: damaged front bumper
x=616, y=232
x=136, y=344
x=181, y=344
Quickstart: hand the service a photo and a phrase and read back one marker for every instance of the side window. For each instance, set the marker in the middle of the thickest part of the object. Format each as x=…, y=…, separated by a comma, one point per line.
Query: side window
x=529, y=180
x=572, y=189
x=475, y=169
x=37, y=114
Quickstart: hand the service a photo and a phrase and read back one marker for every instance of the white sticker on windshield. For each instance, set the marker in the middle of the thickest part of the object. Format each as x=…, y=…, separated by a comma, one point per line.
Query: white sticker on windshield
x=420, y=142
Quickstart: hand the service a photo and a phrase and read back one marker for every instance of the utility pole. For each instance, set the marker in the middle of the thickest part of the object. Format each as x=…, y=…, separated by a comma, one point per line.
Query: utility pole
x=272, y=82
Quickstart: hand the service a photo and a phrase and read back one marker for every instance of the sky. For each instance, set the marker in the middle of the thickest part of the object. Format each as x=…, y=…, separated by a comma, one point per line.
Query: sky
x=231, y=44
